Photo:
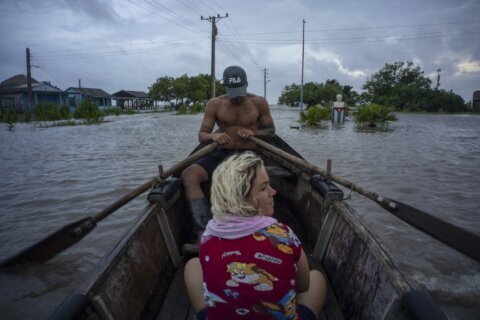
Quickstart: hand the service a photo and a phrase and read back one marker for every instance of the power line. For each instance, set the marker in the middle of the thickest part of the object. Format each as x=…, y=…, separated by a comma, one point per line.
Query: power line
x=175, y=15
x=189, y=7
x=218, y=5
x=247, y=49
x=122, y=52
x=149, y=45
x=207, y=6
x=363, y=28
x=167, y=18
x=45, y=70
x=429, y=35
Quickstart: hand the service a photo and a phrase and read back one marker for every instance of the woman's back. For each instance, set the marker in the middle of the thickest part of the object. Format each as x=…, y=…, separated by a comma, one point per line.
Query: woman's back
x=253, y=276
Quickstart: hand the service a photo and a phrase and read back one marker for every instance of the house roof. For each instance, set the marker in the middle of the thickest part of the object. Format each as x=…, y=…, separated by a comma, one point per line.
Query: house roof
x=17, y=80
x=130, y=94
x=90, y=92
x=18, y=84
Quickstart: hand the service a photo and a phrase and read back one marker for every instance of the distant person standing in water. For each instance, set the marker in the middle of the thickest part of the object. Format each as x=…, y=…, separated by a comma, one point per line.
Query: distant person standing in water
x=238, y=115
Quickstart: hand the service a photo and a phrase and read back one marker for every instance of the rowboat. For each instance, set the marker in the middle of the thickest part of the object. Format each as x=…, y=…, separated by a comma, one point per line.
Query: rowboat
x=141, y=277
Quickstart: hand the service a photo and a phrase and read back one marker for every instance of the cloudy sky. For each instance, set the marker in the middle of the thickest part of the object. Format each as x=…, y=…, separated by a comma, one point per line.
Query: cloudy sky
x=128, y=44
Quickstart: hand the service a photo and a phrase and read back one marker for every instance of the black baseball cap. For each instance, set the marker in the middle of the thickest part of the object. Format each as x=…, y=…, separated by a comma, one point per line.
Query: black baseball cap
x=235, y=81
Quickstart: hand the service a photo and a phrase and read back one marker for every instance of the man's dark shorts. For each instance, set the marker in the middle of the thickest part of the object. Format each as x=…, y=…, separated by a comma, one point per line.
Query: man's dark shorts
x=211, y=161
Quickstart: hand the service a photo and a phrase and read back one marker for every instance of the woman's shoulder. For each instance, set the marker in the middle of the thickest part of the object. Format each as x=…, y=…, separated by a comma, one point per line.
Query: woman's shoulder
x=280, y=232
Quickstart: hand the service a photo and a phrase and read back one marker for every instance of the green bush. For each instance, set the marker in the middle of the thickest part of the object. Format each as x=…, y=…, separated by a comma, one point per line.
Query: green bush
x=116, y=111
x=47, y=112
x=182, y=109
x=373, y=115
x=27, y=116
x=64, y=114
x=89, y=111
x=113, y=111
x=10, y=118
x=313, y=116
x=197, y=108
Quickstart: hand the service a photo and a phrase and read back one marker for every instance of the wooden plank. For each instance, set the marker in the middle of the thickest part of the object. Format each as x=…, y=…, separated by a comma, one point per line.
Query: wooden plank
x=332, y=308
x=168, y=237
x=325, y=234
x=176, y=304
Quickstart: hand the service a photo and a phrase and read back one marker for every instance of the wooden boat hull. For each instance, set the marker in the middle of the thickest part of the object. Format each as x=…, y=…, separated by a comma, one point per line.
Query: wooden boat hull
x=133, y=279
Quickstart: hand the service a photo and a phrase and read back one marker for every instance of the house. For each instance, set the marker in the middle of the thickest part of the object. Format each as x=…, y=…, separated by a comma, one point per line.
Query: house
x=133, y=100
x=74, y=96
x=14, y=94
x=476, y=101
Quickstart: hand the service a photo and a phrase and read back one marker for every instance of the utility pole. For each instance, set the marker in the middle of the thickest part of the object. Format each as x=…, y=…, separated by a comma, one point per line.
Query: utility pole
x=213, y=20
x=265, y=83
x=29, y=79
x=438, y=78
x=303, y=55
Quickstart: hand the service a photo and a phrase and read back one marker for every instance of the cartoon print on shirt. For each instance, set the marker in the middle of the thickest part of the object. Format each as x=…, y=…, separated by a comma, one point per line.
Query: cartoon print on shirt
x=211, y=299
x=242, y=311
x=229, y=292
x=283, y=309
x=250, y=274
x=279, y=237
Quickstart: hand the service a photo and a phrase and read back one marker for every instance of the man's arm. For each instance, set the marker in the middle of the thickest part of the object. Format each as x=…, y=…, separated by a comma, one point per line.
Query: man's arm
x=208, y=123
x=267, y=127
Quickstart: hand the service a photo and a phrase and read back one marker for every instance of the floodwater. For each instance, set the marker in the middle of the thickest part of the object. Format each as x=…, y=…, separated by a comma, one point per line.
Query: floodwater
x=52, y=176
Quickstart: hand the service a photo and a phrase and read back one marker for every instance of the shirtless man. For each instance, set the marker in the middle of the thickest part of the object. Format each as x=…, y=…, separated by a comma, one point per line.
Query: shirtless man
x=238, y=115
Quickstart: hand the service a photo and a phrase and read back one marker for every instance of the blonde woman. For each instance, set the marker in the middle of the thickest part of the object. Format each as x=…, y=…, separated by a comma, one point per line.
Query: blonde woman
x=250, y=266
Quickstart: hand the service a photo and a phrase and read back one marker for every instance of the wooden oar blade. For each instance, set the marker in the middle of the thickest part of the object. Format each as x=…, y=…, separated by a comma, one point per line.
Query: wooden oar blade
x=52, y=244
x=450, y=234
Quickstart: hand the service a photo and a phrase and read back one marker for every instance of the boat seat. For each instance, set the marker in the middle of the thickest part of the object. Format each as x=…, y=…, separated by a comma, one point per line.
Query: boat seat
x=166, y=192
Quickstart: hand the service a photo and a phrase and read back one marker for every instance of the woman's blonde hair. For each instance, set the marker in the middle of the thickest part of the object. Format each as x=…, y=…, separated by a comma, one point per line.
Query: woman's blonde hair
x=232, y=181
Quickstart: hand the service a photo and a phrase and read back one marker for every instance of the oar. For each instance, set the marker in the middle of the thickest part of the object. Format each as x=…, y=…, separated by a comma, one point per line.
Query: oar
x=73, y=232
x=452, y=235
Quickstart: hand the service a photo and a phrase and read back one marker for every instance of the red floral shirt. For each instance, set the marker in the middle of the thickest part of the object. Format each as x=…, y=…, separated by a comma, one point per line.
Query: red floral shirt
x=252, y=277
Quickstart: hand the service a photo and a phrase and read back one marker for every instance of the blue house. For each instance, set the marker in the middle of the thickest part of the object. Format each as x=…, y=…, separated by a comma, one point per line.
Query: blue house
x=14, y=94
x=74, y=96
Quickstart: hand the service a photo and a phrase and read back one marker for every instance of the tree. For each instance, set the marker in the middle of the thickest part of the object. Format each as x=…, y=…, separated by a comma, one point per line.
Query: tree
x=186, y=89
x=162, y=89
x=290, y=95
x=199, y=88
x=445, y=101
x=318, y=93
x=404, y=87
x=181, y=88
x=400, y=85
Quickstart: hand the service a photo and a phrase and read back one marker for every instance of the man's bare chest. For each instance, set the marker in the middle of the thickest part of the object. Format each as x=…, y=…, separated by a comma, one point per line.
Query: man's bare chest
x=238, y=115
